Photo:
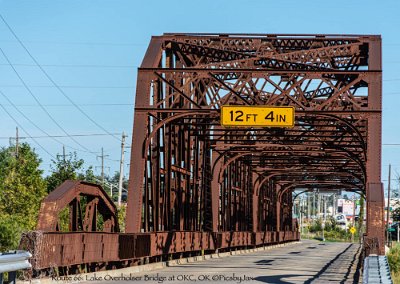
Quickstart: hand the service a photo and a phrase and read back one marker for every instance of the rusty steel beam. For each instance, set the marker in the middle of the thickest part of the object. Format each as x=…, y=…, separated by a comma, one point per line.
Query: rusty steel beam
x=184, y=159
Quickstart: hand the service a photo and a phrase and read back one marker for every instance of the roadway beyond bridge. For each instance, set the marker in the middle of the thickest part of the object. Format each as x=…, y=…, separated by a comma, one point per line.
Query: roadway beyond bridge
x=305, y=262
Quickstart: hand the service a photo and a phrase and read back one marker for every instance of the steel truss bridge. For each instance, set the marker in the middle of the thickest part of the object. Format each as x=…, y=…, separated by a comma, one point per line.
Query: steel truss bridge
x=197, y=186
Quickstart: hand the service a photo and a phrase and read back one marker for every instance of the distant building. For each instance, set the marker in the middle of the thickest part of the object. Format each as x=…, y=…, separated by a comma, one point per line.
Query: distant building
x=394, y=203
x=346, y=207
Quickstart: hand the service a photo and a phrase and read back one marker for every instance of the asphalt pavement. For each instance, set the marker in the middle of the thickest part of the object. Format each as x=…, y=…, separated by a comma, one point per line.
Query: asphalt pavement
x=305, y=262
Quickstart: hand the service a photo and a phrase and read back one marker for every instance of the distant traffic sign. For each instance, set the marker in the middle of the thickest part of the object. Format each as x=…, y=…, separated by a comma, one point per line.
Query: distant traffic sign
x=352, y=230
x=268, y=116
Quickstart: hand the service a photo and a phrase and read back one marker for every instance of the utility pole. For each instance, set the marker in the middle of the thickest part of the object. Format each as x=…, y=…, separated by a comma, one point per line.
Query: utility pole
x=121, y=169
x=313, y=203
x=102, y=156
x=63, y=155
x=334, y=205
x=388, y=206
x=16, y=142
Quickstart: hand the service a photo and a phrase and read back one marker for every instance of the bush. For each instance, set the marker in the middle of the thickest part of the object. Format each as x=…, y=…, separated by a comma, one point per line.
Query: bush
x=337, y=235
x=332, y=231
x=394, y=259
x=10, y=231
x=315, y=226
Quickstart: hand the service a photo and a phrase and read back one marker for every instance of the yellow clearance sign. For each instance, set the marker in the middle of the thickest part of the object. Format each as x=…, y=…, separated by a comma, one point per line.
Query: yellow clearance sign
x=268, y=116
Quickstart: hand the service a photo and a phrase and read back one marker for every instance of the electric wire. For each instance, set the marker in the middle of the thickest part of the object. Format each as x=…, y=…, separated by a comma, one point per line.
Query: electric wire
x=39, y=103
x=70, y=87
x=61, y=136
x=75, y=65
x=83, y=43
x=68, y=105
x=23, y=129
x=38, y=127
x=53, y=82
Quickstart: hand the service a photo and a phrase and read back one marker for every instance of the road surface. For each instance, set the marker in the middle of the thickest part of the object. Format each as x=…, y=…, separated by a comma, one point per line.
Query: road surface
x=305, y=262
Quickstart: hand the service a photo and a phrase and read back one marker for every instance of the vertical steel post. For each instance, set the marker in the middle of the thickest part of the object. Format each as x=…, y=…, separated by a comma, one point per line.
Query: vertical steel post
x=215, y=189
x=255, y=203
x=375, y=196
x=138, y=158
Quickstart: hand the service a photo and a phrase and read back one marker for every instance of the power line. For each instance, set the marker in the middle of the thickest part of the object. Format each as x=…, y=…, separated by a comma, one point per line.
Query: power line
x=61, y=136
x=20, y=126
x=52, y=81
x=49, y=136
x=34, y=124
x=69, y=86
x=84, y=43
x=75, y=65
x=38, y=102
x=68, y=105
x=53, y=137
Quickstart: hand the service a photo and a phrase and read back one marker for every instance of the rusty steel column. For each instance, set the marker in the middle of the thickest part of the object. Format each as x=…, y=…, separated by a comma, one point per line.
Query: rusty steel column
x=255, y=203
x=138, y=158
x=278, y=188
x=215, y=191
x=374, y=192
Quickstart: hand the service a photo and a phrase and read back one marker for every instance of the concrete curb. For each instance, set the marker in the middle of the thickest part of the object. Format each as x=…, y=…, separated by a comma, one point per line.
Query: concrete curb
x=128, y=271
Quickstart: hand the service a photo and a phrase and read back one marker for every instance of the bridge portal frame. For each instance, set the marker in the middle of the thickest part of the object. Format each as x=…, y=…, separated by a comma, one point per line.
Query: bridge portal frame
x=183, y=81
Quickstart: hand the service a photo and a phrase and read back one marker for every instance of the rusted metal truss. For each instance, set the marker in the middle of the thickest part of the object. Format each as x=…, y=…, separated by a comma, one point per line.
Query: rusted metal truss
x=85, y=204
x=198, y=186
x=192, y=174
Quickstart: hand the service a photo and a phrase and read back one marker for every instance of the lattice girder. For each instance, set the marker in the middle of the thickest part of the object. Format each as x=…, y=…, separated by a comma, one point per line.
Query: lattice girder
x=191, y=173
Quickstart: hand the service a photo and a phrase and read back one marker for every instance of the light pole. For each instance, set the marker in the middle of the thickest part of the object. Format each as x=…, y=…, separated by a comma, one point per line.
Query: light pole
x=388, y=207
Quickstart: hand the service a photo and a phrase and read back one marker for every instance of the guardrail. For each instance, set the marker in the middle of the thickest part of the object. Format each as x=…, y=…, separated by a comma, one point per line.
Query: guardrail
x=376, y=270
x=13, y=261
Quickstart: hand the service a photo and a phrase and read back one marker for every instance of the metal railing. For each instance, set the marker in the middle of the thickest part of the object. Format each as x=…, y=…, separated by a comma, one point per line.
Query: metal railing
x=376, y=270
x=13, y=261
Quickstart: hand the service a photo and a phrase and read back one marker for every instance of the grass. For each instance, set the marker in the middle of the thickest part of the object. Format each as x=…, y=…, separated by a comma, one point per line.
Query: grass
x=393, y=257
x=332, y=232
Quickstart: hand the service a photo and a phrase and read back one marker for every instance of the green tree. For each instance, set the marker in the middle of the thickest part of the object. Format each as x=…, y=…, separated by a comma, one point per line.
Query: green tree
x=67, y=167
x=22, y=188
x=115, y=181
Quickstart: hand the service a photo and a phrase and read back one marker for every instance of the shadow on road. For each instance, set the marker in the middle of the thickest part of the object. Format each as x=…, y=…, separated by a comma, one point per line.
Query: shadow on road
x=277, y=279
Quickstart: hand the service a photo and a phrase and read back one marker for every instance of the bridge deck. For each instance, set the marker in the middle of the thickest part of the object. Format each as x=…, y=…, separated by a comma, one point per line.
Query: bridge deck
x=305, y=262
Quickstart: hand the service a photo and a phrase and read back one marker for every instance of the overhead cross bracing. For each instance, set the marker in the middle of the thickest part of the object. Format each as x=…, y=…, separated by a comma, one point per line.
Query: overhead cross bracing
x=193, y=174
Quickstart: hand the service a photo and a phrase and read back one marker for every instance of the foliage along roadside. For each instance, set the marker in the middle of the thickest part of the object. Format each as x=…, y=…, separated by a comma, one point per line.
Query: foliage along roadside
x=23, y=187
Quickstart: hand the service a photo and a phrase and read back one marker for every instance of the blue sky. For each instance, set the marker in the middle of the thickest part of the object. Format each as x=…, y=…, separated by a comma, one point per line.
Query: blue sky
x=92, y=49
